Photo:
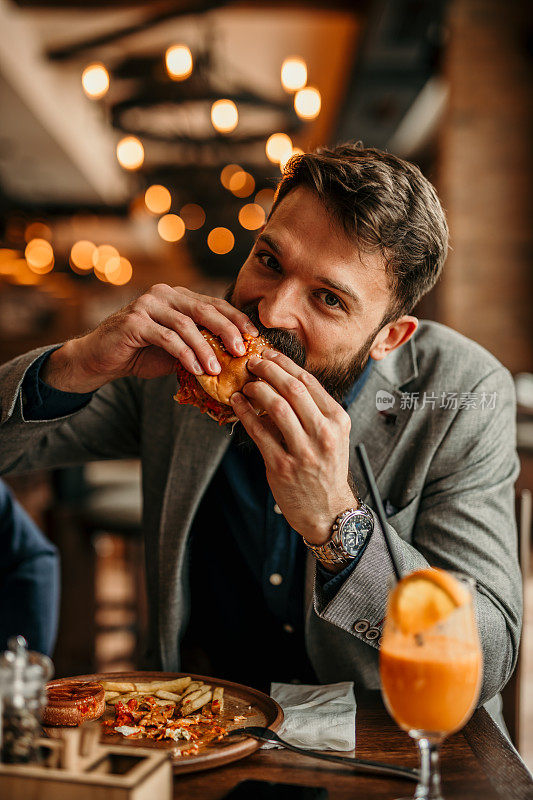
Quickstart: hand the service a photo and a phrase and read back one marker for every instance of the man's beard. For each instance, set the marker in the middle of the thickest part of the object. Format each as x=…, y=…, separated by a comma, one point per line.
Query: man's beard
x=336, y=378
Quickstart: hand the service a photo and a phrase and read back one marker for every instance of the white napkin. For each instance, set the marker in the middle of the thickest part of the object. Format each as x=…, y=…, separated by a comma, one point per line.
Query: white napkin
x=316, y=717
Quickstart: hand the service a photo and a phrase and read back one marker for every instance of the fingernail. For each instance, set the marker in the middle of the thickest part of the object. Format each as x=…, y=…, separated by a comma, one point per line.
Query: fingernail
x=270, y=353
x=197, y=368
x=252, y=329
x=213, y=364
x=253, y=361
x=236, y=399
x=239, y=347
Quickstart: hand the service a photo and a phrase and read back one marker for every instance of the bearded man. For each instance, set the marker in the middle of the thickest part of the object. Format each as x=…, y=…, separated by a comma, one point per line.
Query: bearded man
x=242, y=583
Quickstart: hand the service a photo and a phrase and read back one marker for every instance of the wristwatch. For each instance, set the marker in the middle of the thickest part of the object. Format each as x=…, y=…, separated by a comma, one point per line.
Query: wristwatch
x=349, y=533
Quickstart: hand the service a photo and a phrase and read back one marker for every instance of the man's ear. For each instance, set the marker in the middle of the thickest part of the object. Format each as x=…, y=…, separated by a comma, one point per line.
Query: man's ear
x=392, y=336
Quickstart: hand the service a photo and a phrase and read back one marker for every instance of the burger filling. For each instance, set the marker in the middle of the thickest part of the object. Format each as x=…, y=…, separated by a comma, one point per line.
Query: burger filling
x=190, y=392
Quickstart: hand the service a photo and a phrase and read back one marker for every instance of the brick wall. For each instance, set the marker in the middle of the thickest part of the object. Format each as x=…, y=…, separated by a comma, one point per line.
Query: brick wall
x=484, y=179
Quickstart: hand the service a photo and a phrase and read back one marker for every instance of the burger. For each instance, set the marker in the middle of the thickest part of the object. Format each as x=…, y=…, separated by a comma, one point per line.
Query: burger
x=212, y=393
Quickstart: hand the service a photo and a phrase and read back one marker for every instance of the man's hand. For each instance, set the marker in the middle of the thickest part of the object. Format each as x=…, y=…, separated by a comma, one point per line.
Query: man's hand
x=304, y=442
x=146, y=338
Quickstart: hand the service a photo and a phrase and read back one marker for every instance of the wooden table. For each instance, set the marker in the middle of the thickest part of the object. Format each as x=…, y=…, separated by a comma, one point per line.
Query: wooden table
x=478, y=763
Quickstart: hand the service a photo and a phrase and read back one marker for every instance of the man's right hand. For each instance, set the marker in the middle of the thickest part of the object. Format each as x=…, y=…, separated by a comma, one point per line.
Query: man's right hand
x=146, y=338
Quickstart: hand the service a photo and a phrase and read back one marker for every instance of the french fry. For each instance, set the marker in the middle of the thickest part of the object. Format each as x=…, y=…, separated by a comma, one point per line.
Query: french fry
x=123, y=698
x=168, y=695
x=217, y=706
x=193, y=695
x=192, y=687
x=110, y=695
x=118, y=686
x=198, y=702
x=174, y=685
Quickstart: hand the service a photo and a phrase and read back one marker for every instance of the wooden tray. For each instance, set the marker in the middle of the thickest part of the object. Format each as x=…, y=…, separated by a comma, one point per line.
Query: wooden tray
x=256, y=707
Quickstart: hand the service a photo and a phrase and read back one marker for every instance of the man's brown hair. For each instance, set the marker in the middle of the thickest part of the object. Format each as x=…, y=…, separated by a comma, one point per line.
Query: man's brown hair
x=386, y=205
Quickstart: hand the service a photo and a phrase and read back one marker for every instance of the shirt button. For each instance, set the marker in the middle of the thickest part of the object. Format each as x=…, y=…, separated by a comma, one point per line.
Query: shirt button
x=277, y=509
x=275, y=579
x=287, y=627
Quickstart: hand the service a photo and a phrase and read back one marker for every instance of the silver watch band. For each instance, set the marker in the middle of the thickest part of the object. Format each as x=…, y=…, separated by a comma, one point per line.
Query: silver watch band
x=332, y=552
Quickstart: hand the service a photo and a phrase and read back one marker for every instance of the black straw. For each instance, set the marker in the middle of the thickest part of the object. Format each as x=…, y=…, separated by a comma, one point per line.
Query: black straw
x=371, y=481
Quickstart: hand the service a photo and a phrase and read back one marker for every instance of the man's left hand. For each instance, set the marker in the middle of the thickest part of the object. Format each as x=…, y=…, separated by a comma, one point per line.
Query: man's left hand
x=304, y=442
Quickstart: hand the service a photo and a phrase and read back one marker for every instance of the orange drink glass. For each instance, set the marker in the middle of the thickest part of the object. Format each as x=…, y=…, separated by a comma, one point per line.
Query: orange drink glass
x=430, y=663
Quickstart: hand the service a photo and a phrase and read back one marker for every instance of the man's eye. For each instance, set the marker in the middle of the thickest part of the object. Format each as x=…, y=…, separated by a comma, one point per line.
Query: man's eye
x=268, y=261
x=330, y=299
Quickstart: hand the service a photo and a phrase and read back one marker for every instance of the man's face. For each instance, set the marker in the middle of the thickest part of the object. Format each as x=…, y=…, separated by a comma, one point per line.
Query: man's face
x=306, y=279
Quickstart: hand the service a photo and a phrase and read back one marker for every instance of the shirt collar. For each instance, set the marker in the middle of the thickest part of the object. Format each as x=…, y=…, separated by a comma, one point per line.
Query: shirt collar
x=352, y=393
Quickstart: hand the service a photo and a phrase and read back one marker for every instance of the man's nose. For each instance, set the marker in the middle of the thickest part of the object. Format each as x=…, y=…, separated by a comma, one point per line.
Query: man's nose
x=278, y=309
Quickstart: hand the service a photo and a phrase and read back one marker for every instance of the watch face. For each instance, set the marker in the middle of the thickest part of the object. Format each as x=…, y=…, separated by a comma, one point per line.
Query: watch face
x=354, y=532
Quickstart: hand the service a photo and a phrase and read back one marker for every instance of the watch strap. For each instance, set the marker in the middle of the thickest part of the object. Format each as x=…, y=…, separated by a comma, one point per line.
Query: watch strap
x=332, y=552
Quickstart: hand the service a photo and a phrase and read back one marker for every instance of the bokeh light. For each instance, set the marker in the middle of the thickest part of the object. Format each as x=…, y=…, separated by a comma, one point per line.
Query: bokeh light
x=24, y=275
x=224, y=116
x=118, y=271
x=11, y=263
x=242, y=184
x=252, y=216
x=296, y=151
x=293, y=74
x=307, y=103
x=277, y=146
x=171, y=228
x=227, y=173
x=101, y=256
x=220, y=241
x=193, y=216
x=39, y=256
x=157, y=199
x=95, y=81
x=178, y=61
x=130, y=153
x=81, y=256
x=265, y=198
x=37, y=230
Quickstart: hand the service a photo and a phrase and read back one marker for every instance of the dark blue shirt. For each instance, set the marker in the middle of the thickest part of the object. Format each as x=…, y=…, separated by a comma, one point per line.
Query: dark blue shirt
x=237, y=513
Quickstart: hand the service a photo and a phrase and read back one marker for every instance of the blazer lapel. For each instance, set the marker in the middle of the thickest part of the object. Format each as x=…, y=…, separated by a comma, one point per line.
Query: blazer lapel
x=379, y=432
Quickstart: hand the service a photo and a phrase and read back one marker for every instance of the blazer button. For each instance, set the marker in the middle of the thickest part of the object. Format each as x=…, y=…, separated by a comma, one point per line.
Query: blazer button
x=361, y=626
x=372, y=634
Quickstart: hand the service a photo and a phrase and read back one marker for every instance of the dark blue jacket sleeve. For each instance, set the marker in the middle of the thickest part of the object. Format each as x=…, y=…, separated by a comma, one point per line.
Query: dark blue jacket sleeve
x=29, y=578
x=41, y=401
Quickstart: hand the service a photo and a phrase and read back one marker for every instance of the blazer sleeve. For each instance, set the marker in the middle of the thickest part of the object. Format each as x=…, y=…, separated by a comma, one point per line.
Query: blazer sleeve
x=106, y=428
x=464, y=521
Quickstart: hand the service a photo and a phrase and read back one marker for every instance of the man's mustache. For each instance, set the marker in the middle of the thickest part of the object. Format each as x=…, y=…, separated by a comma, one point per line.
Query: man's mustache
x=282, y=340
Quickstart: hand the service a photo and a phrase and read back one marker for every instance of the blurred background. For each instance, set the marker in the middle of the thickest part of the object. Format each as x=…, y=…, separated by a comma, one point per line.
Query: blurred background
x=141, y=142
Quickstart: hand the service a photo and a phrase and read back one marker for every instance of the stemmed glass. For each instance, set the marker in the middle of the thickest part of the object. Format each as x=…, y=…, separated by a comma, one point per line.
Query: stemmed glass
x=431, y=676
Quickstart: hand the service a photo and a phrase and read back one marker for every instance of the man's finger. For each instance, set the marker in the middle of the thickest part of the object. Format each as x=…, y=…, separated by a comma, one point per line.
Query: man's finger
x=266, y=438
x=324, y=401
x=292, y=389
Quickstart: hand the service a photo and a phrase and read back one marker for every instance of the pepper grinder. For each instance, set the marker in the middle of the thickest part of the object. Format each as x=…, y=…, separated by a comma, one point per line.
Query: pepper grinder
x=23, y=678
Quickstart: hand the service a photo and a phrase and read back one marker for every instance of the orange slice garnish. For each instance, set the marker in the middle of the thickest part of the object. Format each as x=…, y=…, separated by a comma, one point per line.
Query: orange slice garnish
x=424, y=598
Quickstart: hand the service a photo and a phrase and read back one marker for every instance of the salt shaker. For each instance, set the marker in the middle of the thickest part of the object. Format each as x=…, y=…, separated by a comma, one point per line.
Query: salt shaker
x=23, y=677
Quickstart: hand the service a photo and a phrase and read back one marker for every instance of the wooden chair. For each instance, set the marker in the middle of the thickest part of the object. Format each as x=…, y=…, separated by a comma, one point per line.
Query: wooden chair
x=511, y=694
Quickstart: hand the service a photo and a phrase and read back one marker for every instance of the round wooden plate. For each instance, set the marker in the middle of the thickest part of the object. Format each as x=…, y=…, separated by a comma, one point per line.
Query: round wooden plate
x=257, y=708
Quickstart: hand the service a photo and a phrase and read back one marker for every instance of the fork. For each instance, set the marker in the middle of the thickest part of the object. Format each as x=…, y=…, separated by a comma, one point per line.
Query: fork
x=359, y=764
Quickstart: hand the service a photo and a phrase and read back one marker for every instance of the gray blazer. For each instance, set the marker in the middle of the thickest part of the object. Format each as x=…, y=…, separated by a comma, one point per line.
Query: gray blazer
x=447, y=474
